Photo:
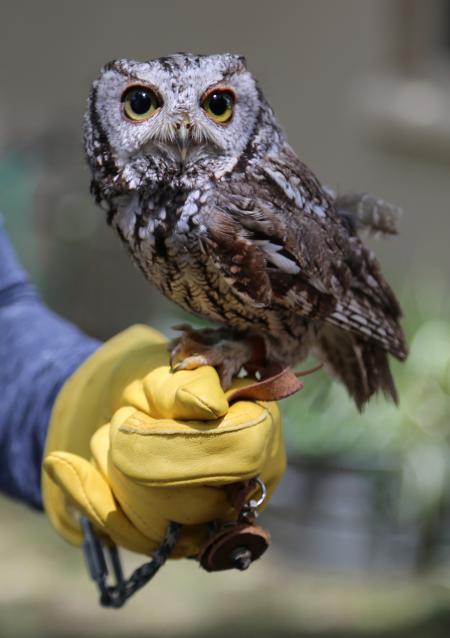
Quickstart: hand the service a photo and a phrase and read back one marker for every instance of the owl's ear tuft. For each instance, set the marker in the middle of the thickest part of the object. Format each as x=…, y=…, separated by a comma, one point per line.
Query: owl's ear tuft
x=108, y=66
x=236, y=63
x=241, y=63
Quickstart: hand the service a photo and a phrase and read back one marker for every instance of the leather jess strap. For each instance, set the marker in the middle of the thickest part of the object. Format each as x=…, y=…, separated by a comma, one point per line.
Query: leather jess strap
x=276, y=384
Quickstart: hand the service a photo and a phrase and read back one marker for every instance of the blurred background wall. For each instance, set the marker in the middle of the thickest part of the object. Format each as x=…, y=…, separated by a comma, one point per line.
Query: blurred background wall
x=362, y=89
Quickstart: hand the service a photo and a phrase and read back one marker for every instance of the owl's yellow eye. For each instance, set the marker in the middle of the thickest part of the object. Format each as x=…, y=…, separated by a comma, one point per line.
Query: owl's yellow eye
x=140, y=103
x=219, y=105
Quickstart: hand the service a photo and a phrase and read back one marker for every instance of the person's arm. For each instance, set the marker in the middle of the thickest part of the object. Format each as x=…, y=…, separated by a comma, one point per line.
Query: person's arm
x=38, y=352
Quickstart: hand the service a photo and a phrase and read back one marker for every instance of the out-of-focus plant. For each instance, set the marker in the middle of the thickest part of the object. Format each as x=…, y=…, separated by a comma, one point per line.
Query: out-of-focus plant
x=413, y=437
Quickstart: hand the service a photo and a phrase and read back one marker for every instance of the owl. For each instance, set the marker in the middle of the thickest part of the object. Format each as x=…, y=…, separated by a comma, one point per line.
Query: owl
x=196, y=176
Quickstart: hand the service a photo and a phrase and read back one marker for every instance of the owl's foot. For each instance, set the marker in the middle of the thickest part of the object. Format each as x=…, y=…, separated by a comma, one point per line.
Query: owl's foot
x=208, y=347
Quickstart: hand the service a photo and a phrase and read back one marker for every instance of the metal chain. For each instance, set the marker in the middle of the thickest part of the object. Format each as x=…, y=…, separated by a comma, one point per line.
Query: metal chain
x=95, y=554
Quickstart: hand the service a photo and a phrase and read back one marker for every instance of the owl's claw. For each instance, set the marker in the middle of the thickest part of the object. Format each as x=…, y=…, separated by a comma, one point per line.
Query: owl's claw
x=195, y=348
x=191, y=363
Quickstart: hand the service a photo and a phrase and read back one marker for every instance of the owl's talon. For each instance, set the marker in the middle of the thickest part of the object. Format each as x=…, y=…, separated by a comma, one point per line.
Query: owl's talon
x=191, y=363
x=195, y=348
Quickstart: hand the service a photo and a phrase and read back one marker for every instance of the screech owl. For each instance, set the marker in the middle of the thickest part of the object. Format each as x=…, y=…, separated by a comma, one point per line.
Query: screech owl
x=219, y=213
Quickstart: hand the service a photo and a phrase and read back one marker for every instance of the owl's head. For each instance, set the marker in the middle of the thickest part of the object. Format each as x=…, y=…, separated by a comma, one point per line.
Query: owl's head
x=180, y=111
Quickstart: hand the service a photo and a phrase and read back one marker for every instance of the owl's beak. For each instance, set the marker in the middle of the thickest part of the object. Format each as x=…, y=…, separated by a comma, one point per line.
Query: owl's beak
x=184, y=137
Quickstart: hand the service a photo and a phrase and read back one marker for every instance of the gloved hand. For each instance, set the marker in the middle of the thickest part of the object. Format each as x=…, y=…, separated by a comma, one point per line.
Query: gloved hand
x=132, y=446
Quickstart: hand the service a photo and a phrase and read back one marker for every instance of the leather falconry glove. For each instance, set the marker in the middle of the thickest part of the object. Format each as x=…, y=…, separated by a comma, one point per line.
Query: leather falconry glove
x=133, y=446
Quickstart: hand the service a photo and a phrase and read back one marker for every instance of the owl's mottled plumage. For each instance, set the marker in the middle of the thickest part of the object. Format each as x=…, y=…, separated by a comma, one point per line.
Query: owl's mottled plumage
x=234, y=227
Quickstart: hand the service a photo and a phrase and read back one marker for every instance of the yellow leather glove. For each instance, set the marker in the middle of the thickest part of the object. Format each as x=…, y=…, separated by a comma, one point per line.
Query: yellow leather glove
x=132, y=446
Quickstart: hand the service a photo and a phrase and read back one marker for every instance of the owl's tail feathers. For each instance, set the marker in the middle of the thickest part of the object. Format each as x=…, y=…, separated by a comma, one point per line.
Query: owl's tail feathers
x=362, y=366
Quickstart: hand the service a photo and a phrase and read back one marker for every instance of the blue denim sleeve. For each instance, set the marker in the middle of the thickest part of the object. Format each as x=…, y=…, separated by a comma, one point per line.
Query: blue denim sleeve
x=38, y=352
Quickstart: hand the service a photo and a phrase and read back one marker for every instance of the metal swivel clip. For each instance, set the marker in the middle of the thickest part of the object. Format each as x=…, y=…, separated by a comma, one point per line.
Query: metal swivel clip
x=237, y=544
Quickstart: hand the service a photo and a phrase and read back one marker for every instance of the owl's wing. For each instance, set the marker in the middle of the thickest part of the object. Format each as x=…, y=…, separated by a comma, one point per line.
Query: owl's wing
x=277, y=237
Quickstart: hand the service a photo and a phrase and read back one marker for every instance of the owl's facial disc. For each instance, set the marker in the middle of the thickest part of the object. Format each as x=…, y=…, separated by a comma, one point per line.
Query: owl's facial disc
x=188, y=111
x=183, y=130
